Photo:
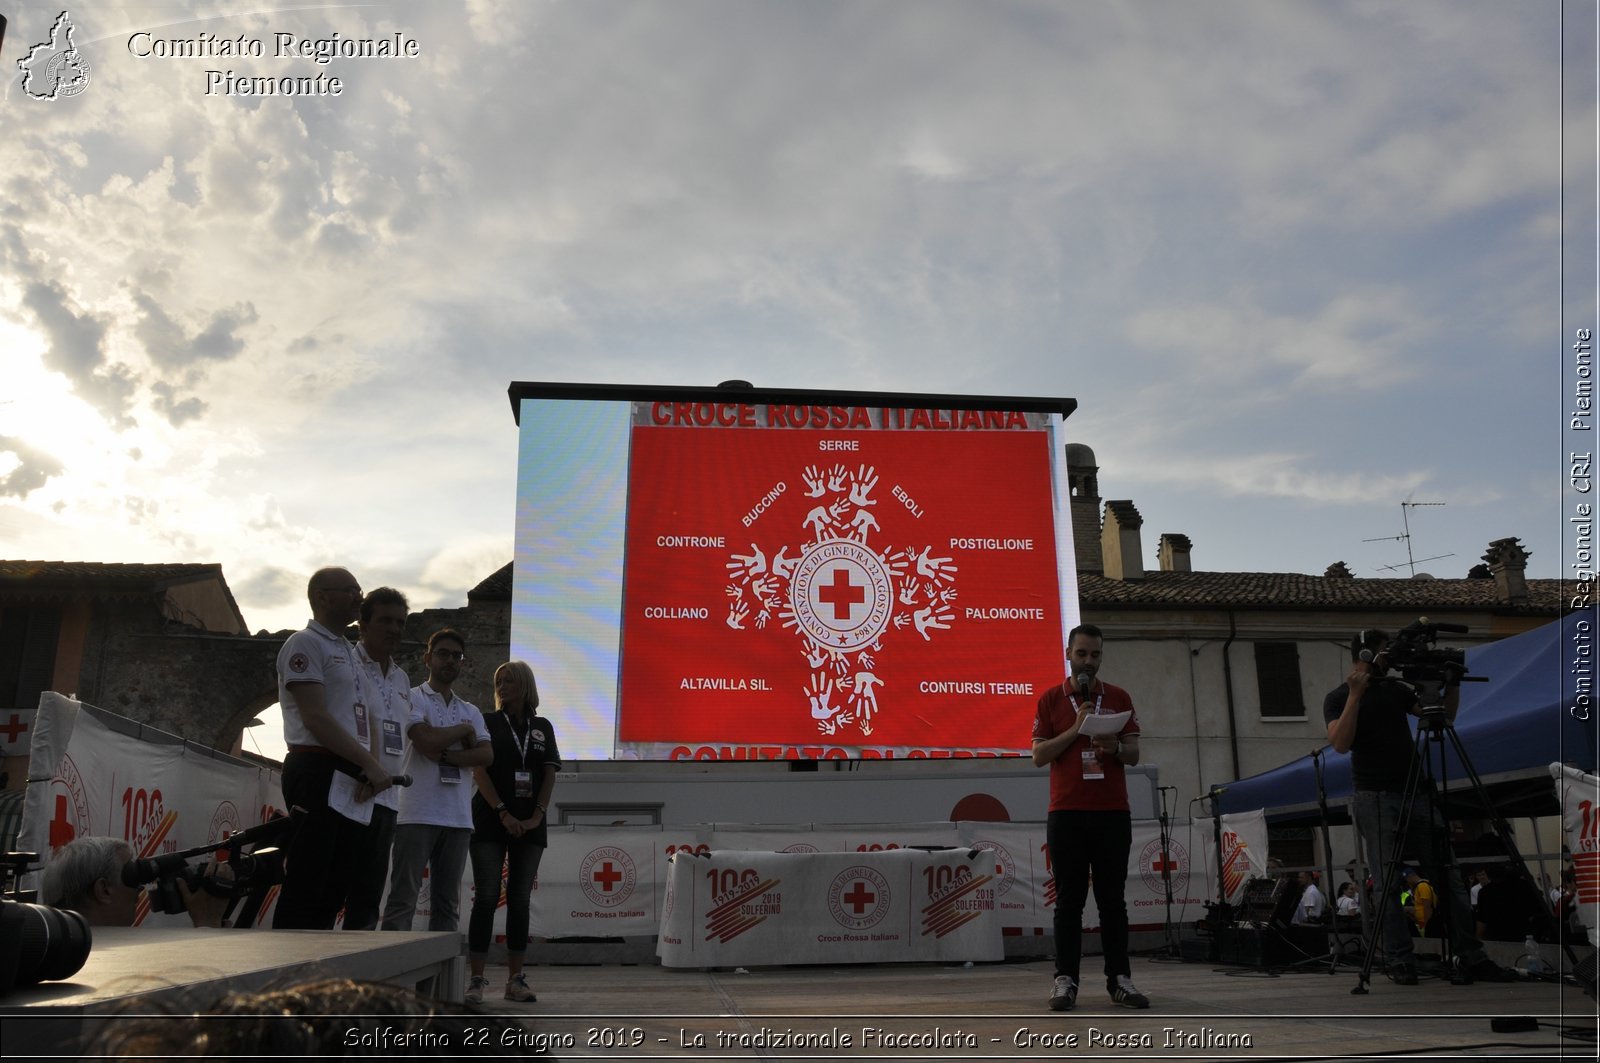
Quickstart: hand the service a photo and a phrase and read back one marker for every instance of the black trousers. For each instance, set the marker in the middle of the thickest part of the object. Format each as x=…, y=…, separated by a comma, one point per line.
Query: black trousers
x=1082, y=843
x=321, y=858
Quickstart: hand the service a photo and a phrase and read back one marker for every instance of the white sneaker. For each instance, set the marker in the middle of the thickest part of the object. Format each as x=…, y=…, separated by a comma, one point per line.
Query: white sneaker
x=475, y=989
x=1125, y=993
x=1064, y=995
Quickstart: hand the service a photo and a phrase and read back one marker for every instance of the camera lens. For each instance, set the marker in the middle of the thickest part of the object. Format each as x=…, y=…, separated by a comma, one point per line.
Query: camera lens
x=39, y=943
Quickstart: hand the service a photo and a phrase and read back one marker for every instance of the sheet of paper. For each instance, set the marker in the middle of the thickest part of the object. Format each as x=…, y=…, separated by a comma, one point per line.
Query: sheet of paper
x=342, y=798
x=1109, y=724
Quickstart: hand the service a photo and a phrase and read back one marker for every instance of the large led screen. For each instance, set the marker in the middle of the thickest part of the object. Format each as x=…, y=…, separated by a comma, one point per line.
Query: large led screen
x=704, y=574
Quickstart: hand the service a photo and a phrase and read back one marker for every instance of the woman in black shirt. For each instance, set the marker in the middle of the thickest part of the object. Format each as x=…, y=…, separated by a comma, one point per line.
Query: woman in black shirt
x=508, y=823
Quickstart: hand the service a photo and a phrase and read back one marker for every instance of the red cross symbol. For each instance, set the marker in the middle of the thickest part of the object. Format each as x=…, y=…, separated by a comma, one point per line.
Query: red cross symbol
x=841, y=594
x=607, y=876
x=13, y=728
x=1163, y=863
x=61, y=829
x=859, y=896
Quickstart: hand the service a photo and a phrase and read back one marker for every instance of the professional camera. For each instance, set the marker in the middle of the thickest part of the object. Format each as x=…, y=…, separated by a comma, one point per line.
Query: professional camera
x=37, y=942
x=1413, y=654
x=252, y=860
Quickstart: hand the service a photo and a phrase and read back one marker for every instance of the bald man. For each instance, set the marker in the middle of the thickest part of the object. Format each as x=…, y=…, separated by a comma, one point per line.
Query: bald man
x=328, y=729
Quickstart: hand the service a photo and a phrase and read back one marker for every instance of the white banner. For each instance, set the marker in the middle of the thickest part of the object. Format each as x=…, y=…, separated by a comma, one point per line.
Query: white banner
x=1580, y=819
x=1244, y=852
x=902, y=905
x=86, y=779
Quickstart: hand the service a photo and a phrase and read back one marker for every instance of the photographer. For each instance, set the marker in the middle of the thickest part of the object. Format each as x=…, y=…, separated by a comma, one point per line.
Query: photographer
x=1366, y=718
x=85, y=876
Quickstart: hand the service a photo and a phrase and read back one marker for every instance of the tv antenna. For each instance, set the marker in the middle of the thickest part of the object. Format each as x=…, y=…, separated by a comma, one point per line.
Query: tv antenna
x=1405, y=517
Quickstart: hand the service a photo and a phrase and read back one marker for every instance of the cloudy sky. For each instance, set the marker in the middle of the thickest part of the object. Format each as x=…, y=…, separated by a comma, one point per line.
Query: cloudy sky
x=1297, y=261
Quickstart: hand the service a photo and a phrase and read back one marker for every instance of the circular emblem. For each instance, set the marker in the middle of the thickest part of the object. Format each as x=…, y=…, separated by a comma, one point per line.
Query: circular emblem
x=800, y=847
x=71, y=817
x=842, y=595
x=858, y=898
x=298, y=663
x=1005, y=868
x=1151, y=863
x=607, y=876
x=68, y=72
x=224, y=821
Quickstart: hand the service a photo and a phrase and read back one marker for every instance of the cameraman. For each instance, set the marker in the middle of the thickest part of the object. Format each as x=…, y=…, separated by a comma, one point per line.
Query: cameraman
x=1367, y=718
x=85, y=875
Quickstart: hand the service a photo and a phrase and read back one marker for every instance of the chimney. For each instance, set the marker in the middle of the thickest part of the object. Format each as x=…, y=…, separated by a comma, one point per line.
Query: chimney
x=1338, y=570
x=1508, y=563
x=1119, y=541
x=1172, y=553
x=1083, y=479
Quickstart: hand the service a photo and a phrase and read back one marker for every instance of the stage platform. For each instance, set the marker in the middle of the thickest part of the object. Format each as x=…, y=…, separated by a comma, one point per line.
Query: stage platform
x=998, y=1011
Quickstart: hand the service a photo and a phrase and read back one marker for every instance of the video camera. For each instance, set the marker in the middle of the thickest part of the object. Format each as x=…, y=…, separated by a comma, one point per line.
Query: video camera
x=1413, y=654
x=37, y=942
x=259, y=867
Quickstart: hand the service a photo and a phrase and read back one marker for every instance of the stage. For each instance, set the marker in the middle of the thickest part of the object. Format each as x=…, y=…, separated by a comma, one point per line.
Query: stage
x=998, y=1010
x=927, y=1011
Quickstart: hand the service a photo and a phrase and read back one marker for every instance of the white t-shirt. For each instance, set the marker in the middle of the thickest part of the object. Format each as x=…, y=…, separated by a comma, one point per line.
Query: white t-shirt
x=1311, y=905
x=429, y=799
x=388, y=701
x=317, y=655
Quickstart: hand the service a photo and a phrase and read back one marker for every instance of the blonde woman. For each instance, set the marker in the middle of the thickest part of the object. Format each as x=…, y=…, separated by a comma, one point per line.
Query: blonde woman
x=508, y=824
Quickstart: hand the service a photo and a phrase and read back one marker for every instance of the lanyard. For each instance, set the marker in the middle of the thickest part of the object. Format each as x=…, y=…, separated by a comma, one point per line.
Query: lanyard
x=521, y=741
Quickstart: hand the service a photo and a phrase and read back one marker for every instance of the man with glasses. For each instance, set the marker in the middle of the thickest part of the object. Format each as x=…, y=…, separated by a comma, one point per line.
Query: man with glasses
x=329, y=762
x=434, y=828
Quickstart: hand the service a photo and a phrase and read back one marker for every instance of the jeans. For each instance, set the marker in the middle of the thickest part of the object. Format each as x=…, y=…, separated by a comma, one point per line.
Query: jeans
x=443, y=850
x=520, y=857
x=1081, y=843
x=1428, y=846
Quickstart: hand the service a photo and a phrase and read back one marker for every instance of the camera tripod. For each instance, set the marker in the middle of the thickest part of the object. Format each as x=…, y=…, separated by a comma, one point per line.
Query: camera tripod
x=1434, y=730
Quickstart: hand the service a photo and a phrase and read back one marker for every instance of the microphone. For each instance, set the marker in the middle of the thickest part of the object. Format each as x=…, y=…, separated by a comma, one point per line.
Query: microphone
x=1084, y=680
x=400, y=780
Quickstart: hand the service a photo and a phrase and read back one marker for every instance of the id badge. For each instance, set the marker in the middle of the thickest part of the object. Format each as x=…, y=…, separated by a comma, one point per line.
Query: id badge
x=393, y=744
x=363, y=731
x=1092, y=768
x=523, y=782
x=450, y=773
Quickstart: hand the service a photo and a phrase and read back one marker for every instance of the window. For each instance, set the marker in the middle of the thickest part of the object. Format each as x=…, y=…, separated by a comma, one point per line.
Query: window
x=1278, y=679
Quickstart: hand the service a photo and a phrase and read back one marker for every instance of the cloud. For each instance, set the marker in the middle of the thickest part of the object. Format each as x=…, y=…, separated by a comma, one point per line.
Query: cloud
x=29, y=469
x=1353, y=340
x=75, y=348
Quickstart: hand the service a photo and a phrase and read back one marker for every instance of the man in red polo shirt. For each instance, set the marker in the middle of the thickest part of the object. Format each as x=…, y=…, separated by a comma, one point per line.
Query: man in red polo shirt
x=1090, y=827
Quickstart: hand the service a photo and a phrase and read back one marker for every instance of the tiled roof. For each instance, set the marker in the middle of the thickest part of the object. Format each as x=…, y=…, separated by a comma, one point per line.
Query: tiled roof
x=494, y=588
x=1258, y=590
x=96, y=578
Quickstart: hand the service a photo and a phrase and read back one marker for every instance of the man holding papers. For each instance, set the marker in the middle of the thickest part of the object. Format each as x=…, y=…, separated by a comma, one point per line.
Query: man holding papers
x=1087, y=731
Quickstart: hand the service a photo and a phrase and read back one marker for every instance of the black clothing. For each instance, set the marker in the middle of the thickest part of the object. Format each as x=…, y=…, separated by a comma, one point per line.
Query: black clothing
x=1380, y=755
x=538, y=749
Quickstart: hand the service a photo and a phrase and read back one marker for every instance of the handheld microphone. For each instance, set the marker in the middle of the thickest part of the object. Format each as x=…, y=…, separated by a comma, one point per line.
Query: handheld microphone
x=400, y=780
x=1084, y=680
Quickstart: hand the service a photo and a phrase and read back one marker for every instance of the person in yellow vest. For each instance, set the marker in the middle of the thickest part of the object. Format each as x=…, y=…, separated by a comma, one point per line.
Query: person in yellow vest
x=1419, y=900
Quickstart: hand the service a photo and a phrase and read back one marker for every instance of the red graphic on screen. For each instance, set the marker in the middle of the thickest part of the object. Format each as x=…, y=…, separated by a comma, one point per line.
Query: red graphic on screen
x=896, y=588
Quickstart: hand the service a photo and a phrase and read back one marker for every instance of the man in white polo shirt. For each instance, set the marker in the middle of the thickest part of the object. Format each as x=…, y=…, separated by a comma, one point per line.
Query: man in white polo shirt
x=434, y=828
x=386, y=691
x=329, y=737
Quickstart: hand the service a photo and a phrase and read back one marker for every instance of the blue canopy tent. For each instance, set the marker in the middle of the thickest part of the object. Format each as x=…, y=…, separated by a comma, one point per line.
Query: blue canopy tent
x=1513, y=727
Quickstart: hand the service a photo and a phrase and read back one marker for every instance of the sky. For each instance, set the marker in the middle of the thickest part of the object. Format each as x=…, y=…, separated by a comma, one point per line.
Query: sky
x=1298, y=262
